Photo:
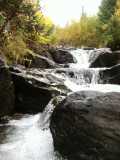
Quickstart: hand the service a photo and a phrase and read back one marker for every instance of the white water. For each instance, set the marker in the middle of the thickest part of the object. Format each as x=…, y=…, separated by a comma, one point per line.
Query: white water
x=82, y=58
x=93, y=83
x=29, y=138
x=26, y=140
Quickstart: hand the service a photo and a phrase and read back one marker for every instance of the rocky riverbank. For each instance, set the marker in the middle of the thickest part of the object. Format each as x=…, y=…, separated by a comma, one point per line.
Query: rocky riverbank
x=85, y=125
x=29, y=90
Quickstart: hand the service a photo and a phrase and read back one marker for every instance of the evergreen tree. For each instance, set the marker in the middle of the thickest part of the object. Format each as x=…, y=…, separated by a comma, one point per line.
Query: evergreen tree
x=106, y=10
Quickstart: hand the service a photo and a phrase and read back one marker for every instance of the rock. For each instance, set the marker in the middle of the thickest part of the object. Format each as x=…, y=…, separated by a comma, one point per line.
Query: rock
x=34, y=89
x=6, y=91
x=38, y=61
x=111, y=75
x=2, y=62
x=86, y=126
x=88, y=48
x=16, y=68
x=42, y=50
x=30, y=97
x=104, y=58
x=61, y=56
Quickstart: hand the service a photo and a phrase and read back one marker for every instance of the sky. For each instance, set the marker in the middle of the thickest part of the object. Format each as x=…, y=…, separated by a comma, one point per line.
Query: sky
x=63, y=11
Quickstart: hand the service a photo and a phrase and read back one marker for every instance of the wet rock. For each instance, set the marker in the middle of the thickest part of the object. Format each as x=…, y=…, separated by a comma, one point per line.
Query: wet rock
x=30, y=97
x=61, y=56
x=85, y=126
x=6, y=90
x=111, y=75
x=34, y=89
x=16, y=68
x=104, y=58
x=88, y=48
x=38, y=61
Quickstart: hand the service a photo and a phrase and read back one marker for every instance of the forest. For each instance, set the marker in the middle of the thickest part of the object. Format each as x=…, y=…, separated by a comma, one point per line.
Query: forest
x=59, y=86
x=101, y=30
x=24, y=29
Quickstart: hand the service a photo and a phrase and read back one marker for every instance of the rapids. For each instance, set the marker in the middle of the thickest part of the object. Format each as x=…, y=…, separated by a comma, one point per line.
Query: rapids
x=28, y=137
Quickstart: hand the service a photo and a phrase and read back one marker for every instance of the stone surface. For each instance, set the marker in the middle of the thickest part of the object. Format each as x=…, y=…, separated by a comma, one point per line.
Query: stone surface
x=111, y=75
x=86, y=126
x=61, y=56
x=104, y=58
x=38, y=61
x=6, y=91
x=34, y=89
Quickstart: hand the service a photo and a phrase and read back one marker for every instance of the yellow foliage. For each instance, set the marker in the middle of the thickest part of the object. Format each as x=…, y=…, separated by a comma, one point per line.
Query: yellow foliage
x=81, y=33
x=15, y=48
x=117, y=13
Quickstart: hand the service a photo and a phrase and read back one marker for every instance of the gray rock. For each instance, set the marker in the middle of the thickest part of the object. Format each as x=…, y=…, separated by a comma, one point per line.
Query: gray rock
x=104, y=58
x=61, y=56
x=38, y=61
x=6, y=91
x=111, y=75
x=86, y=126
x=34, y=89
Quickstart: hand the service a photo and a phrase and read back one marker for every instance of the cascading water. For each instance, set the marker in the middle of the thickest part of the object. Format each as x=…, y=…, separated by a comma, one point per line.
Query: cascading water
x=82, y=58
x=86, y=78
x=82, y=77
x=29, y=137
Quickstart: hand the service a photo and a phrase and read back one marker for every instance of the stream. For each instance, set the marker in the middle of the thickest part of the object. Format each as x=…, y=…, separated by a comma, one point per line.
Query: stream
x=28, y=137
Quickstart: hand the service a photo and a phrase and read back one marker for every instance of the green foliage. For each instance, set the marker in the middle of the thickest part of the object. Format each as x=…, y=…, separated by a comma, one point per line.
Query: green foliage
x=106, y=10
x=82, y=33
x=113, y=33
x=97, y=31
x=22, y=23
x=117, y=11
x=15, y=48
x=2, y=20
x=109, y=20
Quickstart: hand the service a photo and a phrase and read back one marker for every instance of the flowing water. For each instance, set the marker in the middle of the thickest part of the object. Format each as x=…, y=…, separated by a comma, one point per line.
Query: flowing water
x=28, y=137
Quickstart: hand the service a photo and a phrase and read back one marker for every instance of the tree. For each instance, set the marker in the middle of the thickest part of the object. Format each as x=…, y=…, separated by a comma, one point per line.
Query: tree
x=109, y=24
x=106, y=10
x=117, y=11
x=22, y=23
x=78, y=34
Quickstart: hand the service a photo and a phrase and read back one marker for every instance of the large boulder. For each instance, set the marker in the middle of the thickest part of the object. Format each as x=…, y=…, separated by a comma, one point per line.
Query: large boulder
x=6, y=90
x=104, y=58
x=111, y=75
x=61, y=56
x=86, y=126
x=34, y=89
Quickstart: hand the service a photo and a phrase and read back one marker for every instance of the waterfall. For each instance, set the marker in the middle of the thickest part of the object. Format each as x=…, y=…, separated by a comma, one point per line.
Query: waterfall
x=29, y=137
x=81, y=76
x=82, y=58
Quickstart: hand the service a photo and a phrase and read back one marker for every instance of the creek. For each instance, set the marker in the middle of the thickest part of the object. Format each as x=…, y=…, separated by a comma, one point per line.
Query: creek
x=28, y=137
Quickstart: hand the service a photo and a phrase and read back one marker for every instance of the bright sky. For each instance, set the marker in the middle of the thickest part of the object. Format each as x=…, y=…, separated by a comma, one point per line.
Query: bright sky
x=63, y=11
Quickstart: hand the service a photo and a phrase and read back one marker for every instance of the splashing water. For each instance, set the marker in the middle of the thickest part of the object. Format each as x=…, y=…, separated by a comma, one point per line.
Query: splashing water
x=26, y=140
x=82, y=58
x=29, y=137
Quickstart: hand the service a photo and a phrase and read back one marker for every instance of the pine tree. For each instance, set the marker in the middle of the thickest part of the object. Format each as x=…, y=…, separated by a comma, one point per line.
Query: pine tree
x=106, y=10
